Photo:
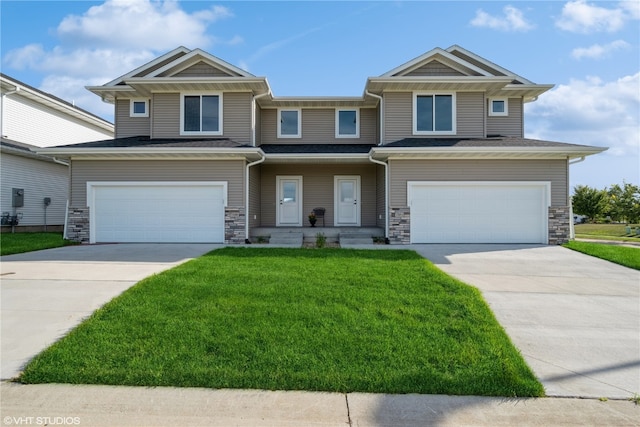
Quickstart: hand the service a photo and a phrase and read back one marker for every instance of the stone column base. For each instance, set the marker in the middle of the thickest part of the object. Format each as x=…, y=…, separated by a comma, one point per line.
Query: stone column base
x=399, y=226
x=234, y=225
x=559, y=225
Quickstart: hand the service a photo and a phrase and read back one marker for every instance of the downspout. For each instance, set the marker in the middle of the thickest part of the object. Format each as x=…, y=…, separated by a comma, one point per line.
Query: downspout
x=381, y=114
x=246, y=202
x=386, y=195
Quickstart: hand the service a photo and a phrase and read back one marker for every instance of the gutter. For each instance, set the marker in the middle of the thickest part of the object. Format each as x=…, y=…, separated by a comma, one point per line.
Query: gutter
x=386, y=194
x=246, y=203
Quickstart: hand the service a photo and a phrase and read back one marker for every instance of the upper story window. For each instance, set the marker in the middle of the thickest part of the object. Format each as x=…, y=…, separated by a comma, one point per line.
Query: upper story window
x=348, y=123
x=289, y=123
x=498, y=107
x=201, y=114
x=434, y=113
x=139, y=108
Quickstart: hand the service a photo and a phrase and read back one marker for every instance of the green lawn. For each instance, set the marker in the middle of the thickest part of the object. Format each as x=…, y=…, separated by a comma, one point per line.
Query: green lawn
x=342, y=320
x=16, y=243
x=607, y=231
x=629, y=257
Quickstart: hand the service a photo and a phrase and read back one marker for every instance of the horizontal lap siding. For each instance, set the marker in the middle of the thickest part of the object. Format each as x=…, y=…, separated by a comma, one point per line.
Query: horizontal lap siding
x=254, y=196
x=130, y=126
x=236, y=116
x=511, y=125
x=231, y=171
x=398, y=108
x=380, y=196
x=478, y=170
x=318, y=127
x=318, y=183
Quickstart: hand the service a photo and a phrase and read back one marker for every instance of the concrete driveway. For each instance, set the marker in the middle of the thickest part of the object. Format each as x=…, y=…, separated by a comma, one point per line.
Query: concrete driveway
x=46, y=293
x=575, y=318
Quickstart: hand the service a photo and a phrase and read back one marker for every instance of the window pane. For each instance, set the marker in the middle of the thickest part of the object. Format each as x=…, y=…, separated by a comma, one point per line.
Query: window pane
x=192, y=113
x=288, y=122
x=210, y=113
x=498, y=106
x=444, y=113
x=289, y=192
x=347, y=191
x=347, y=123
x=424, y=113
x=138, y=107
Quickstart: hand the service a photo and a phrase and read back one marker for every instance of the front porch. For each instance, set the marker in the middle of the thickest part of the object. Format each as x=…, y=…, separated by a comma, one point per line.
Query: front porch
x=308, y=234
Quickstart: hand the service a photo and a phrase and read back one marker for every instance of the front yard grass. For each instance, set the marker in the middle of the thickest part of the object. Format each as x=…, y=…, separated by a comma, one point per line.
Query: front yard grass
x=383, y=321
x=623, y=255
x=17, y=243
x=607, y=232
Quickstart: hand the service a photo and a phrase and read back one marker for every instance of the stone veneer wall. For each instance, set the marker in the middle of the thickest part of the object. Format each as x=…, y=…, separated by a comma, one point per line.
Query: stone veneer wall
x=399, y=226
x=234, y=223
x=559, y=225
x=78, y=225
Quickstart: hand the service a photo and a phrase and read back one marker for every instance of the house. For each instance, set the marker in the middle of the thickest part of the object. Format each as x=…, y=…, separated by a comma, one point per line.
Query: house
x=432, y=152
x=31, y=119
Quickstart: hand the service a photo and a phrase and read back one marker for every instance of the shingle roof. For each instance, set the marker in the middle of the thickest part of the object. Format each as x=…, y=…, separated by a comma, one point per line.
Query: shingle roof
x=316, y=148
x=147, y=142
x=496, y=142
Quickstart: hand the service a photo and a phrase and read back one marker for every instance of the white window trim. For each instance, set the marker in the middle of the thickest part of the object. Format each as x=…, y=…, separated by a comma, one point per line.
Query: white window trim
x=352, y=136
x=146, y=107
x=279, y=119
x=499, y=113
x=220, y=110
x=415, y=113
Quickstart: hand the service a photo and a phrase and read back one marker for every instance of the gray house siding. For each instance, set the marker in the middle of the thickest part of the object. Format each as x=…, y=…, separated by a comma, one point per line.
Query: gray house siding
x=39, y=179
x=318, y=183
x=231, y=171
x=478, y=170
x=511, y=125
x=398, y=112
x=318, y=127
x=380, y=196
x=130, y=126
x=255, y=196
x=434, y=68
x=236, y=116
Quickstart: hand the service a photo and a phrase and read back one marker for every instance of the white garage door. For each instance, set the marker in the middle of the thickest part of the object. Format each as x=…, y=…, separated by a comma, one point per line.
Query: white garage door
x=478, y=212
x=157, y=212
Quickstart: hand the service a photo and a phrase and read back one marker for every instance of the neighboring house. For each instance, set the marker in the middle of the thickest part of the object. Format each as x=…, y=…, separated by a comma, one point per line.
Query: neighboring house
x=31, y=119
x=432, y=152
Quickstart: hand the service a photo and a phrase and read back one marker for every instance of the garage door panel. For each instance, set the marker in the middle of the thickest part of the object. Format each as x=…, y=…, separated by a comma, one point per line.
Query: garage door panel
x=478, y=213
x=159, y=213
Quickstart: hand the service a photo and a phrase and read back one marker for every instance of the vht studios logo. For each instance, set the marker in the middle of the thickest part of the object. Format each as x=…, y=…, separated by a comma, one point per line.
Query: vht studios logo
x=41, y=421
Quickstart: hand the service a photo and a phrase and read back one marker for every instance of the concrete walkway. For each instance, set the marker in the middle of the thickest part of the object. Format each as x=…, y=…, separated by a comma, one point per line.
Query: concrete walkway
x=575, y=318
x=47, y=293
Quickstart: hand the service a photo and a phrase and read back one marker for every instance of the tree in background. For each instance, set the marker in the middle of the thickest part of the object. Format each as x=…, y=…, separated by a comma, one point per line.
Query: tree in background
x=623, y=203
x=589, y=202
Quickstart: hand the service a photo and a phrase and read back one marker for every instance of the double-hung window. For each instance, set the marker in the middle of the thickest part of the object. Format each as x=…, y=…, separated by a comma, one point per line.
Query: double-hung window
x=434, y=113
x=289, y=123
x=347, y=123
x=201, y=114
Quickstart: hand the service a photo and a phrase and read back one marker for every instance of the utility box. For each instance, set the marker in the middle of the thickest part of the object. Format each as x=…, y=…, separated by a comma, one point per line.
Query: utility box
x=17, y=199
x=47, y=201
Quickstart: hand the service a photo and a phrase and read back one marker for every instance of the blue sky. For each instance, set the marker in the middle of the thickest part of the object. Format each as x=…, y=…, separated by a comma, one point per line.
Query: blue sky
x=589, y=49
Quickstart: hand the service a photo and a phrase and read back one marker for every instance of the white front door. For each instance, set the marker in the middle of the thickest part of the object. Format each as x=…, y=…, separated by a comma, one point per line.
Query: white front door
x=289, y=201
x=347, y=203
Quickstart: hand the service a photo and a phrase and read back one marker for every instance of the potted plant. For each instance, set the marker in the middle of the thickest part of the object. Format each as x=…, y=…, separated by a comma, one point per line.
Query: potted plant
x=312, y=219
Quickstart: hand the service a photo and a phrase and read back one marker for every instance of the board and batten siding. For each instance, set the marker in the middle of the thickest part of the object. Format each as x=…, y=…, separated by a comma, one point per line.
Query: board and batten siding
x=39, y=179
x=236, y=116
x=398, y=112
x=32, y=123
x=317, y=190
x=511, y=125
x=127, y=126
x=319, y=127
x=231, y=171
x=478, y=170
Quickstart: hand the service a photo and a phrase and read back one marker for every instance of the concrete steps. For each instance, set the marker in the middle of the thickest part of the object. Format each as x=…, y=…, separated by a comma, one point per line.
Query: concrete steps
x=286, y=238
x=355, y=238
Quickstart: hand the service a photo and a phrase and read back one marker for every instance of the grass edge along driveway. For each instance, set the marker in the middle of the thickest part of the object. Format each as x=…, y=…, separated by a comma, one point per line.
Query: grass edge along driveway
x=17, y=243
x=623, y=255
x=295, y=319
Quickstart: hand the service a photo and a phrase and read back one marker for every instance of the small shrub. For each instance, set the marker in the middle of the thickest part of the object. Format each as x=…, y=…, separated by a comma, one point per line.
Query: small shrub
x=321, y=240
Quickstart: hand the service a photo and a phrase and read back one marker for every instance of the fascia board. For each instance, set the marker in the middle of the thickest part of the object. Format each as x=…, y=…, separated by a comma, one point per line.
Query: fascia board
x=207, y=57
x=570, y=152
x=150, y=64
x=408, y=66
x=73, y=151
x=488, y=63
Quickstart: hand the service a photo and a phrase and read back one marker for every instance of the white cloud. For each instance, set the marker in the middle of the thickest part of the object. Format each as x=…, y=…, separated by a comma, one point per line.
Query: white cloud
x=112, y=39
x=581, y=17
x=513, y=20
x=598, y=51
x=590, y=112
